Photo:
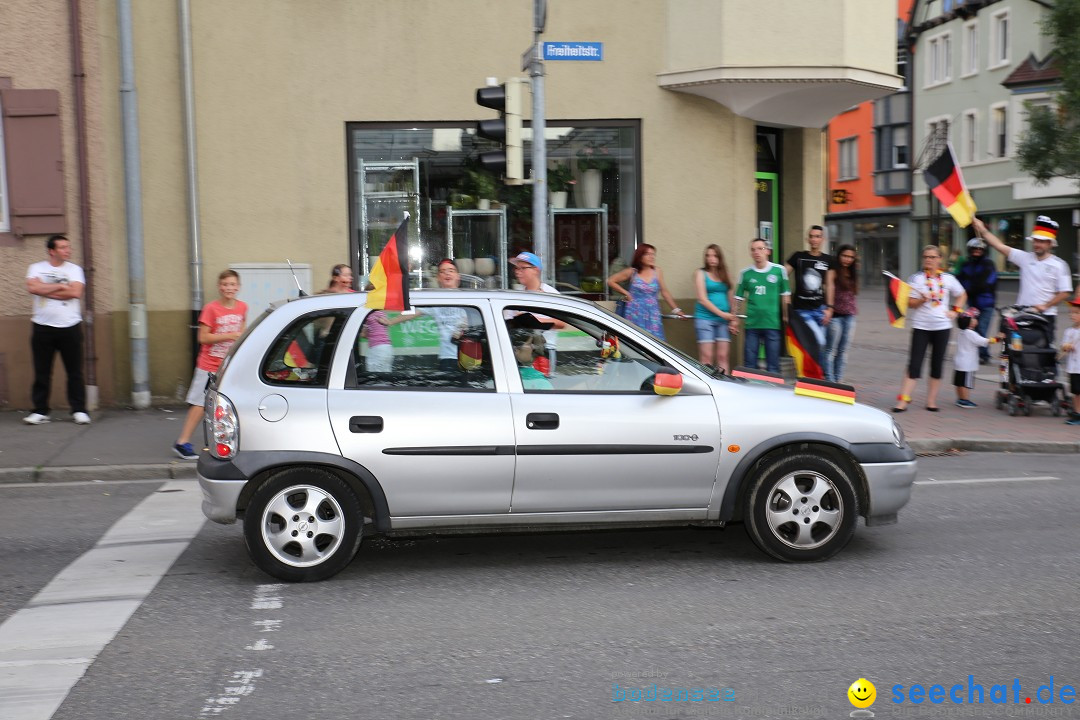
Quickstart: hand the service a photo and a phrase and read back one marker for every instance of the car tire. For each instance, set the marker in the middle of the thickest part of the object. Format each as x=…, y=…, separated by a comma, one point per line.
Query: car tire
x=801, y=507
x=302, y=525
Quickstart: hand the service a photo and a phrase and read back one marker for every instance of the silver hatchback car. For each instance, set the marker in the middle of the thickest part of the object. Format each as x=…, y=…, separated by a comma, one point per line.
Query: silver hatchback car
x=487, y=410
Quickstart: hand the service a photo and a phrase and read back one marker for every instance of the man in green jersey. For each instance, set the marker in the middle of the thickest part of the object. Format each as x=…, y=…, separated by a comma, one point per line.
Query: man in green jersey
x=763, y=294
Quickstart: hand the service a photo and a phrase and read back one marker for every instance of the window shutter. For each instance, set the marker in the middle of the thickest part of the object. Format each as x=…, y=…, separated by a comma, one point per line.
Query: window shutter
x=35, y=163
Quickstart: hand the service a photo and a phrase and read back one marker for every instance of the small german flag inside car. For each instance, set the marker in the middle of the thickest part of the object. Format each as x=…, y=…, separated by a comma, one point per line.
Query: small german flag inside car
x=825, y=389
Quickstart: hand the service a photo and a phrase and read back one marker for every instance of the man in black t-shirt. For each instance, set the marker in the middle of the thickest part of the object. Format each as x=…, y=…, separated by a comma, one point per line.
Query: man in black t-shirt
x=812, y=274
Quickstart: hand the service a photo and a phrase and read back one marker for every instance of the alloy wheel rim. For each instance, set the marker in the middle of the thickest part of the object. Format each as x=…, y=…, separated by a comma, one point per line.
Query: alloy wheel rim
x=302, y=526
x=805, y=510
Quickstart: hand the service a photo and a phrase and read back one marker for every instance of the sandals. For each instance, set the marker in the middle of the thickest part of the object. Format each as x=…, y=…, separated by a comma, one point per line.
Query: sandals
x=906, y=399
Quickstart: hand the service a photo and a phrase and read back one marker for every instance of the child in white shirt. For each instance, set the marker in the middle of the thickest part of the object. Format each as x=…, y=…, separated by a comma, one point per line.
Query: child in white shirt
x=1070, y=353
x=966, y=359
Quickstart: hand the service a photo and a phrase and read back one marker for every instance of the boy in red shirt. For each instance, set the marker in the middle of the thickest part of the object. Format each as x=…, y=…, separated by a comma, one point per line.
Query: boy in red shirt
x=220, y=323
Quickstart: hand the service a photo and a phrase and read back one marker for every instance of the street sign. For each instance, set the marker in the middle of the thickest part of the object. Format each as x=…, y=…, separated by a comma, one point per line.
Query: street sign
x=593, y=51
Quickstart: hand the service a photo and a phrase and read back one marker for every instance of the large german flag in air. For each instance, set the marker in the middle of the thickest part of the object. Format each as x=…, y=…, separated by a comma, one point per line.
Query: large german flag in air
x=803, y=346
x=947, y=184
x=896, y=299
x=825, y=390
x=389, y=275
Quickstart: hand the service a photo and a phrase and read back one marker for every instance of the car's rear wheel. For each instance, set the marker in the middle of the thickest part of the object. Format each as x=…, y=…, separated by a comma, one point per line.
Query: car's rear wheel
x=801, y=507
x=303, y=524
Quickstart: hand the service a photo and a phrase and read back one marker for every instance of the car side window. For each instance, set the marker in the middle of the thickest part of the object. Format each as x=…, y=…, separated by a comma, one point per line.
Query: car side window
x=302, y=353
x=581, y=356
x=436, y=347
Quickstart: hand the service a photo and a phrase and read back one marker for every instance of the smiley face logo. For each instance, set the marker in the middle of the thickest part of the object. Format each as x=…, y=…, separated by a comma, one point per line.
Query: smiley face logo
x=862, y=693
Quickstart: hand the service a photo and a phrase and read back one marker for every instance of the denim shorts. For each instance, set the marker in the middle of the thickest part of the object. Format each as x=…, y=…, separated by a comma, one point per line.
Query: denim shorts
x=711, y=330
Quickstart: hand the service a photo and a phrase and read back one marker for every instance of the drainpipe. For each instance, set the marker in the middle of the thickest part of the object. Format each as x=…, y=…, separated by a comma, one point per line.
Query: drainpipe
x=79, y=82
x=137, y=331
x=191, y=169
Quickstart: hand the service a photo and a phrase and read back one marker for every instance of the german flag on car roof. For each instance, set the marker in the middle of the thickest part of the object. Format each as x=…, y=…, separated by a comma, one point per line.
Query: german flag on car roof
x=389, y=275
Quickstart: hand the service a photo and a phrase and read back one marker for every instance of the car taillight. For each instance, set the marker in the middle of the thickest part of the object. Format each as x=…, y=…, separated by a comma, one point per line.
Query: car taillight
x=223, y=425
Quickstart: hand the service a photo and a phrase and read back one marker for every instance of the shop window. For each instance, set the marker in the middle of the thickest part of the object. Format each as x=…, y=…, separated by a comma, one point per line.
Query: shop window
x=31, y=158
x=441, y=179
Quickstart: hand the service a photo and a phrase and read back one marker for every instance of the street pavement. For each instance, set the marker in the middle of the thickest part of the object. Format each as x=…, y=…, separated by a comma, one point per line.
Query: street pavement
x=137, y=444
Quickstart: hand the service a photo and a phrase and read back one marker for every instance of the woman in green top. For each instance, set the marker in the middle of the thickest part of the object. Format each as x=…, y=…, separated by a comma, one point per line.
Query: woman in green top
x=713, y=320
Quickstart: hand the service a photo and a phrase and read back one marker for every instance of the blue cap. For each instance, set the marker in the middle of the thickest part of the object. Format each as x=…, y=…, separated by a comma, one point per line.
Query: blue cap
x=527, y=258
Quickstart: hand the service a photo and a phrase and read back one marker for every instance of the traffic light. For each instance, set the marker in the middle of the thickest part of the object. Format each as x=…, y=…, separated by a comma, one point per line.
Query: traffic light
x=505, y=98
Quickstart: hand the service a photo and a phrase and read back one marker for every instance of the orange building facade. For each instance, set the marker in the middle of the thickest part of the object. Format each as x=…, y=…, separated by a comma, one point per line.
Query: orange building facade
x=868, y=191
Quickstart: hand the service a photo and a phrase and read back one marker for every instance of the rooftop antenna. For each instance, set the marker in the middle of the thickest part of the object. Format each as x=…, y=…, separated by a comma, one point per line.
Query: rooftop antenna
x=298, y=288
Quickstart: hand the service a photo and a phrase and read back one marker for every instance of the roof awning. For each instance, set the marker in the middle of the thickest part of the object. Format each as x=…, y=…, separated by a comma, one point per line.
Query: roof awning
x=785, y=96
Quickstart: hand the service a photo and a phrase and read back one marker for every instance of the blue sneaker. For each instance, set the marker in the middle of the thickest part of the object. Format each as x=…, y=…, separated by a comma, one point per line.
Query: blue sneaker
x=965, y=404
x=185, y=451
x=1073, y=421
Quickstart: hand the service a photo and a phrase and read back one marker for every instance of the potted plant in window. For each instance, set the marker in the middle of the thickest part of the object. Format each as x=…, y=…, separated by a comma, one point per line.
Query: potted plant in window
x=592, y=161
x=483, y=186
x=559, y=180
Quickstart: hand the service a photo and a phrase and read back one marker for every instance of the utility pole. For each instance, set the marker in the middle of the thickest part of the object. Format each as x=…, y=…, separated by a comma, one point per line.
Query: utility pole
x=534, y=64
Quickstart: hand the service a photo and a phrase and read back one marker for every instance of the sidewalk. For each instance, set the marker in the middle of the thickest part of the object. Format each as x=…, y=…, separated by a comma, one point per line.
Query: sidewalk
x=136, y=444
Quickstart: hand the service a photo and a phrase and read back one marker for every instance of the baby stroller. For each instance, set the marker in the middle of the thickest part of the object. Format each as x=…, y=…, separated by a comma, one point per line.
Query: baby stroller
x=1028, y=362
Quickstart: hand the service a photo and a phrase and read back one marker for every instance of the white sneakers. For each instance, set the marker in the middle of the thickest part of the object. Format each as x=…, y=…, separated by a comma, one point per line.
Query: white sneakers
x=80, y=418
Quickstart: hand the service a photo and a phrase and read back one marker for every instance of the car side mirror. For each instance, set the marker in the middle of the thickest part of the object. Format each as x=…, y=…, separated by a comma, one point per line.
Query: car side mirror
x=667, y=381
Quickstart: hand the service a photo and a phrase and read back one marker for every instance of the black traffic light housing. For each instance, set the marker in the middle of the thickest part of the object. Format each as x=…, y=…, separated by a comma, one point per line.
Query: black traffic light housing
x=507, y=99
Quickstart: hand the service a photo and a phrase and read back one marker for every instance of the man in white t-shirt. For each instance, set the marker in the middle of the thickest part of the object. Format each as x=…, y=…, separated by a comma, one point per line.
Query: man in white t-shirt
x=57, y=286
x=1045, y=279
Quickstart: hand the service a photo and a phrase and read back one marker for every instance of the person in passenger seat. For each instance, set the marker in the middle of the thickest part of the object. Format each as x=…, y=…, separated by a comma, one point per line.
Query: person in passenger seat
x=528, y=344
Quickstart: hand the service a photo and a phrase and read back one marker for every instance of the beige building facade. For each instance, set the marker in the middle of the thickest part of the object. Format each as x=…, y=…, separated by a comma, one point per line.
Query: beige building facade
x=290, y=96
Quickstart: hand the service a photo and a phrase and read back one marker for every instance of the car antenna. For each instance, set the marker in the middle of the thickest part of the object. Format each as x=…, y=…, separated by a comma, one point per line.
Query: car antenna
x=298, y=288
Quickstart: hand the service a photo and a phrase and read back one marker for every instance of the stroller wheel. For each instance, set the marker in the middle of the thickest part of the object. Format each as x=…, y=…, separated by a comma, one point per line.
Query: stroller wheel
x=1014, y=405
x=999, y=400
x=1027, y=406
x=1055, y=407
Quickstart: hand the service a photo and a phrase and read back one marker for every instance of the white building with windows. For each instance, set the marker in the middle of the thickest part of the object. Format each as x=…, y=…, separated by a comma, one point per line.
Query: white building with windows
x=977, y=65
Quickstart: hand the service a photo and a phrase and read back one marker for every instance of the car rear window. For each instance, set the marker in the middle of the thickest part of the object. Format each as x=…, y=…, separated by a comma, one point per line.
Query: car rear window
x=302, y=353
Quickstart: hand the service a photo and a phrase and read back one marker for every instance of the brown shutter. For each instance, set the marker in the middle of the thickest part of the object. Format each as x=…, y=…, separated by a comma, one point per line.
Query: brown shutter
x=35, y=163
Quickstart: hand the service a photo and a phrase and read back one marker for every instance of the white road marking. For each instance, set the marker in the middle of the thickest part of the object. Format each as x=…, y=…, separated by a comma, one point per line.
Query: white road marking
x=49, y=644
x=969, y=481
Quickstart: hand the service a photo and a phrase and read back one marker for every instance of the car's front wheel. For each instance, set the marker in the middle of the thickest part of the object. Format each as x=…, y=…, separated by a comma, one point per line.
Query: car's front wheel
x=303, y=524
x=801, y=507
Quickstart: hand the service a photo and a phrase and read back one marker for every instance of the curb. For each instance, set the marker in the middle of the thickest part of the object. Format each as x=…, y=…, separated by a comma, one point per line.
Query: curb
x=97, y=473
x=986, y=445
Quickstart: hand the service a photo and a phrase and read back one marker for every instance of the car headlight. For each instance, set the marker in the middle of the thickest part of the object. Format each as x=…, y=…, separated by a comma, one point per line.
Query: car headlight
x=898, y=434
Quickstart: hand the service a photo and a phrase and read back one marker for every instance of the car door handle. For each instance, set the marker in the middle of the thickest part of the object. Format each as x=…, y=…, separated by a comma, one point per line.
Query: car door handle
x=542, y=421
x=365, y=424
